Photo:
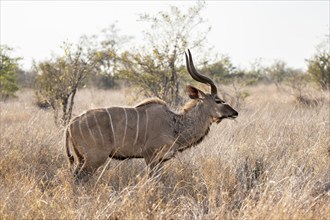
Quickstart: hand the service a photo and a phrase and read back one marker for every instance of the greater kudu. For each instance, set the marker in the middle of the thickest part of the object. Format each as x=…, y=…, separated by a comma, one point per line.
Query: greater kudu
x=150, y=130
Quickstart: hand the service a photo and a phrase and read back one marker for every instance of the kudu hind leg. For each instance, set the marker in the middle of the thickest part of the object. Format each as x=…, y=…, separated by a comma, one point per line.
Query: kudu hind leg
x=90, y=165
x=79, y=161
x=78, y=168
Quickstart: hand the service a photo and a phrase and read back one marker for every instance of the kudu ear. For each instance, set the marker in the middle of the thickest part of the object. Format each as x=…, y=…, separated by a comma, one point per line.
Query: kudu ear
x=195, y=93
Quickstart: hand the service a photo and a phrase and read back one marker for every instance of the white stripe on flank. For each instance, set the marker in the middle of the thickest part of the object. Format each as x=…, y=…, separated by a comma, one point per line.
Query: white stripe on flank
x=81, y=133
x=90, y=131
x=145, y=134
x=113, y=132
x=98, y=128
x=125, y=128
x=137, y=126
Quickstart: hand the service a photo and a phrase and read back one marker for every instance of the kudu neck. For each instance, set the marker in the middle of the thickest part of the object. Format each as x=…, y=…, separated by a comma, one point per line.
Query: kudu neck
x=198, y=114
x=193, y=125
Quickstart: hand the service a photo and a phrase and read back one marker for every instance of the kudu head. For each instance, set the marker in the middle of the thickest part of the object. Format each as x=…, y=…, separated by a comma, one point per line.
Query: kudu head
x=217, y=108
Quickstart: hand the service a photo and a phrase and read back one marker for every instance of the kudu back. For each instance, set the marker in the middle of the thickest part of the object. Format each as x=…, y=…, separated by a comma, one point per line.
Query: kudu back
x=150, y=130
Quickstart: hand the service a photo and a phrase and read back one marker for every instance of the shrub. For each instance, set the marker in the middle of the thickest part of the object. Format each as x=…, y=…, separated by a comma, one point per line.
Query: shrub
x=319, y=68
x=8, y=68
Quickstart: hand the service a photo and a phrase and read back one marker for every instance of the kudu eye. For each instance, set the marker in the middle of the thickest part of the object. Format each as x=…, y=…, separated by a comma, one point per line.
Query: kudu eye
x=219, y=101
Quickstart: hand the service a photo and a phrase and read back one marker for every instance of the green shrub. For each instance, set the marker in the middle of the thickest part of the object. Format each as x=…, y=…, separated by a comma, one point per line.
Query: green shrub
x=8, y=68
x=319, y=68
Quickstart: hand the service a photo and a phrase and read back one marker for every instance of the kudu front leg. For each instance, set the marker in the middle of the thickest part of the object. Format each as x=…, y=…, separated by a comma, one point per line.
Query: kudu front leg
x=155, y=169
x=155, y=159
x=154, y=166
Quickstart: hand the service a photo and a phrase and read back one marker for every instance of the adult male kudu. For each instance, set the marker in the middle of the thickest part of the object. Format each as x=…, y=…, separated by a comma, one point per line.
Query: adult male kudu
x=150, y=130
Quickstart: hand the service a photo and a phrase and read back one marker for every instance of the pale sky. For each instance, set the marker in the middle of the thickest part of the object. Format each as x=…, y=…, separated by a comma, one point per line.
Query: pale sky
x=243, y=30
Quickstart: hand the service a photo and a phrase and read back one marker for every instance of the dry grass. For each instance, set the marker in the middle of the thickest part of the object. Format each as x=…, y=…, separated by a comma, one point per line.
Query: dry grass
x=273, y=162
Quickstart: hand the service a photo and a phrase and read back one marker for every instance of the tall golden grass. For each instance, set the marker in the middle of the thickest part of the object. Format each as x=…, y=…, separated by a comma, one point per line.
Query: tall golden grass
x=273, y=162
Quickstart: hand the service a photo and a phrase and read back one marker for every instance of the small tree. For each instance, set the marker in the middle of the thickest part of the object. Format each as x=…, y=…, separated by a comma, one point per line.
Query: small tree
x=319, y=67
x=152, y=77
x=278, y=72
x=104, y=49
x=59, y=80
x=8, y=69
x=170, y=34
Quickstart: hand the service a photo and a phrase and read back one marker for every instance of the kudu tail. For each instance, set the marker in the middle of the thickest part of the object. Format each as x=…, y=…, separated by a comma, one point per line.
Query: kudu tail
x=67, y=148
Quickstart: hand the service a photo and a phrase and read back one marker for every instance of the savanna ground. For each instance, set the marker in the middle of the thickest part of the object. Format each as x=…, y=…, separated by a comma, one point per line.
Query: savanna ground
x=272, y=162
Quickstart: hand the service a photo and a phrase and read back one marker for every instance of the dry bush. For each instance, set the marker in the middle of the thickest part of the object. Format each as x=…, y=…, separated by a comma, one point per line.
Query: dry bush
x=272, y=162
